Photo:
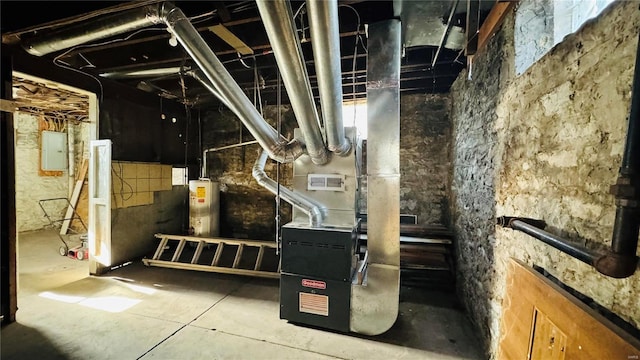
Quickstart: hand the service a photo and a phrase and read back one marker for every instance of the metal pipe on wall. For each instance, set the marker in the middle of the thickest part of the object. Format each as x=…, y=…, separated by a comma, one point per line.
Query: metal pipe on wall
x=278, y=22
x=621, y=260
x=534, y=228
x=323, y=20
x=203, y=171
x=308, y=206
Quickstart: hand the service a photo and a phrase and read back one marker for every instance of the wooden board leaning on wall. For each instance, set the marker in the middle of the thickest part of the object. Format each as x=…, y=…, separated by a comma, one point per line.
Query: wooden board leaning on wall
x=541, y=321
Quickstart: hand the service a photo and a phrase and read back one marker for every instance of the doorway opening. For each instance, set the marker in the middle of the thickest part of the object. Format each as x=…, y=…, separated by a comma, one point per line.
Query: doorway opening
x=53, y=128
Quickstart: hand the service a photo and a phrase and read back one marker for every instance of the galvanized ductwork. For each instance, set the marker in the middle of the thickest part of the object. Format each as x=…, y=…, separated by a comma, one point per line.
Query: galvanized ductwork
x=279, y=148
x=276, y=145
x=200, y=77
x=314, y=210
x=323, y=20
x=374, y=304
x=94, y=29
x=278, y=22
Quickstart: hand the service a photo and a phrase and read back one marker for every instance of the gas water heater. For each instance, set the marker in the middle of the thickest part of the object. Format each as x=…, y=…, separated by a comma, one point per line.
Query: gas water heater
x=204, y=208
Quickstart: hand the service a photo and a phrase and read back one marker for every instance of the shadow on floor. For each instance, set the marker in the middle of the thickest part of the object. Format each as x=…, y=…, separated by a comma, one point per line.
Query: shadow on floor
x=27, y=343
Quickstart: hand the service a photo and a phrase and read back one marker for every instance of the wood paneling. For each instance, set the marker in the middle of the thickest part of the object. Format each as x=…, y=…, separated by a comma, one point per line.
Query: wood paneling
x=542, y=321
x=547, y=340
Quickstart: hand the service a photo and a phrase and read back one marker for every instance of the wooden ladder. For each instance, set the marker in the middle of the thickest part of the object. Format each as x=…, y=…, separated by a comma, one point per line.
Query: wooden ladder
x=173, y=252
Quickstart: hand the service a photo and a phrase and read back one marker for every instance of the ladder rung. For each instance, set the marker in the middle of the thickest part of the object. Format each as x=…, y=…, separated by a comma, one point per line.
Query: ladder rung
x=216, y=257
x=259, y=259
x=179, y=249
x=236, y=261
x=200, y=247
x=160, y=248
x=198, y=252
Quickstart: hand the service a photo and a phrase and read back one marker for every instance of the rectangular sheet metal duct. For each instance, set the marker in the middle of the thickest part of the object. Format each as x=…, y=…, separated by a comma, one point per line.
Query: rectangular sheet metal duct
x=374, y=304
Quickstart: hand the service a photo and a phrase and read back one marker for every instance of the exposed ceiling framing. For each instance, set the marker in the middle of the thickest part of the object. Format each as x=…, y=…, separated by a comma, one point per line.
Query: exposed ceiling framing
x=234, y=31
x=40, y=99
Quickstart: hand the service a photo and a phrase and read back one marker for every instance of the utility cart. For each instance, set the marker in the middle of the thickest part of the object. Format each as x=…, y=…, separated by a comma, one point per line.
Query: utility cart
x=80, y=251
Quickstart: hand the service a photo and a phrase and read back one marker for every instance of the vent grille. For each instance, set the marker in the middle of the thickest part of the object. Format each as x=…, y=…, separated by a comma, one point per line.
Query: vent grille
x=326, y=182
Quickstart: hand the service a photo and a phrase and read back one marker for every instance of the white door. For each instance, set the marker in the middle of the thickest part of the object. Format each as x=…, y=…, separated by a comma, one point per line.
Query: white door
x=99, y=206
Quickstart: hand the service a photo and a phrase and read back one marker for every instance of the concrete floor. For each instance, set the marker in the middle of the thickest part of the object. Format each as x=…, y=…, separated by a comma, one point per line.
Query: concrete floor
x=136, y=312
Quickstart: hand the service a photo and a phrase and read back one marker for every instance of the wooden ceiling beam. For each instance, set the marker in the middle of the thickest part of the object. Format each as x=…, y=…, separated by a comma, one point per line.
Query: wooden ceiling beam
x=493, y=21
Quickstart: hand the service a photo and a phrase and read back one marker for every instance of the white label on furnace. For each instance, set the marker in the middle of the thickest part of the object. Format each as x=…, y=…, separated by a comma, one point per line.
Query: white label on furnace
x=314, y=304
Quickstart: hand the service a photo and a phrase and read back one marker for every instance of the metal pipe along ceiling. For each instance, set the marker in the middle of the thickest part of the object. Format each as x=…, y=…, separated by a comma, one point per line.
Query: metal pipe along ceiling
x=279, y=148
x=308, y=206
x=323, y=20
x=276, y=145
x=278, y=22
x=93, y=29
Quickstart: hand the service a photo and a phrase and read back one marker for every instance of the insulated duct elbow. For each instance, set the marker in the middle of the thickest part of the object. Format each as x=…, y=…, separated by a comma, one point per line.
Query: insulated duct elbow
x=323, y=20
x=315, y=211
x=278, y=22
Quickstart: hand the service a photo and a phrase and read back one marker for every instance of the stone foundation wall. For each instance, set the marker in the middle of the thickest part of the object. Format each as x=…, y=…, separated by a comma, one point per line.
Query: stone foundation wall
x=546, y=144
x=425, y=157
x=30, y=186
x=247, y=210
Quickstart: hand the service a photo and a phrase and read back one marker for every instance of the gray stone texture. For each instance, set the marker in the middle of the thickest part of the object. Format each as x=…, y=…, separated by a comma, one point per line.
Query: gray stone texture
x=247, y=210
x=425, y=157
x=534, y=27
x=546, y=144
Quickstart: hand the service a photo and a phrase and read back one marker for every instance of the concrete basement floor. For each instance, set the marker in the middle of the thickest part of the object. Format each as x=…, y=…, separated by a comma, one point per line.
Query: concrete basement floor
x=137, y=312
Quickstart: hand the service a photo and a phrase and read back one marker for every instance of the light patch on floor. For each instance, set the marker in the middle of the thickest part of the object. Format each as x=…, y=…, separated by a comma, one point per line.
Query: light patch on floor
x=136, y=312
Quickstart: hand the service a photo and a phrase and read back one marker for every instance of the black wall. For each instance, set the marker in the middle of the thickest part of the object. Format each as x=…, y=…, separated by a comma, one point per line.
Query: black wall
x=130, y=118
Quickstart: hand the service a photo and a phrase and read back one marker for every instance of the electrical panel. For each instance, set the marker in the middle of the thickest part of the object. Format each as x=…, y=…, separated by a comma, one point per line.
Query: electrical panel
x=54, y=151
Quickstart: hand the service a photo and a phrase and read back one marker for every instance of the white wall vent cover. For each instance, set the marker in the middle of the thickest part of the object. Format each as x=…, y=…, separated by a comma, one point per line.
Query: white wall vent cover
x=325, y=182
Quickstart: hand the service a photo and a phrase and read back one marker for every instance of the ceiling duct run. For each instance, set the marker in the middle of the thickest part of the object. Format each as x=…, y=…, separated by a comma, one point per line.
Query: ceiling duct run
x=424, y=22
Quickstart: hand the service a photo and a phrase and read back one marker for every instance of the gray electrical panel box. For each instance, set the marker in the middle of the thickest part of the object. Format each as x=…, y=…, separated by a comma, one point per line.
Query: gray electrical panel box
x=54, y=151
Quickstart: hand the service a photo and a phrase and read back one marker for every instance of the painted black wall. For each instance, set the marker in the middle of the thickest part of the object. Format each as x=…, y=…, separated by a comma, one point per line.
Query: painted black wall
x=132, y=119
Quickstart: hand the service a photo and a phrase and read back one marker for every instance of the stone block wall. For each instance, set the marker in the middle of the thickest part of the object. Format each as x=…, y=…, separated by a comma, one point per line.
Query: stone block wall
x=247, y=210
x=546, y=144
x=30, y=186
x=425, y=157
